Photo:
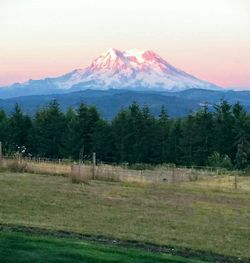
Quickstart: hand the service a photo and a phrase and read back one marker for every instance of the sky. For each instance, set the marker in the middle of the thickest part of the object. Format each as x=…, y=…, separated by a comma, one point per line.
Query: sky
x=209, y=39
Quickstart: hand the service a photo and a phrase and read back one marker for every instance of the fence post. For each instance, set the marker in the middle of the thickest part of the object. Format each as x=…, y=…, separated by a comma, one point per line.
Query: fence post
x=94, y=163
x=79, y=171
x=141, y=177
x=1, y=152
x=236, y=181
x=173, y=174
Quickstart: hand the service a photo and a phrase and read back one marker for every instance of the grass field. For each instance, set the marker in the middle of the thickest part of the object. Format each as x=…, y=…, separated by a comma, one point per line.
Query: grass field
x=24, y=248
x=197, y=216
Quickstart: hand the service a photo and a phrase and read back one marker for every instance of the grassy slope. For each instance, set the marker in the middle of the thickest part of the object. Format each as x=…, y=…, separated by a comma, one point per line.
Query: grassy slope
x=24, y=248
x=186, y=215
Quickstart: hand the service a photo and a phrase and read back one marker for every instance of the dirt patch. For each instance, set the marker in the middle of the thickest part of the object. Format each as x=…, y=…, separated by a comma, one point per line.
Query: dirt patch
x=149, y=247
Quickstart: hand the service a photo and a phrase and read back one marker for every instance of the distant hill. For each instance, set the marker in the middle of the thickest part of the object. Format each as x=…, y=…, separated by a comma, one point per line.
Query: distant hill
x=109, y=102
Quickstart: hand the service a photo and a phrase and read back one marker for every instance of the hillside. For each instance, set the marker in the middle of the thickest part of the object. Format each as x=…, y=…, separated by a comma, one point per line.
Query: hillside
x=109, y=102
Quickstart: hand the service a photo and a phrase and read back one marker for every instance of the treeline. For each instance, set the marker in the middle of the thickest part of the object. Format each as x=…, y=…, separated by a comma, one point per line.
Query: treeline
x=218, y=138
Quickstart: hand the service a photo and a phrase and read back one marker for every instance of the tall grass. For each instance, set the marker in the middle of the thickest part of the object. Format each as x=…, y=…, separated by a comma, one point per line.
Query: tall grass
x=20, y=165
x=166, y=173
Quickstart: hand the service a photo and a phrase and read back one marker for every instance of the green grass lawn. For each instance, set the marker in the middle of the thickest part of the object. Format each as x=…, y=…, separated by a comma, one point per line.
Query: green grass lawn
x=189, y=215
x=24, y=248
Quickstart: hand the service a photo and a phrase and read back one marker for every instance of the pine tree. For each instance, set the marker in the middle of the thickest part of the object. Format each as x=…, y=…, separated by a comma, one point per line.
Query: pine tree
x=241, y=136
x=241, y=156
x=3, y=128
x=18, y=129
x=119, y=129
x=103, y=142
x=163, y=138
x=224, y=123
x=49, y=126
x=149, y=138
x=134, y=134
x=203, y=136
x=187, y=143
x=78, y=138
x=176, y=135
x=69, y=147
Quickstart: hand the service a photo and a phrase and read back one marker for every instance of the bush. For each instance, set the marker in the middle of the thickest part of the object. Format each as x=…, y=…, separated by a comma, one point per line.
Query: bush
x=17, y=167
x=218, y=160
x=247, y=171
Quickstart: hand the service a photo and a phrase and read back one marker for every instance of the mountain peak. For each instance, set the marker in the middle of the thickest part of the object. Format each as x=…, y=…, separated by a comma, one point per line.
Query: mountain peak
x=139, y=56
x=112, y=53
x=129, y=60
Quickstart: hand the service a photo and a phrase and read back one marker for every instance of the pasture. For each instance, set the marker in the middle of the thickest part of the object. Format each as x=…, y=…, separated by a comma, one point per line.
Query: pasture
x=190, y=216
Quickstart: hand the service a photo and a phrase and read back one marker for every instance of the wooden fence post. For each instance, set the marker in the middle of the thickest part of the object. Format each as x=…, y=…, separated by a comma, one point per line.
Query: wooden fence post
x=173, y=174
x=236, y=181
x=1, y=152
x=94, y=164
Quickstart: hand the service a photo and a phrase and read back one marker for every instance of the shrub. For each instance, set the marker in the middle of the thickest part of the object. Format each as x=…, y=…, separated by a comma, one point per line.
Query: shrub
x=247, y=170
x=218, y=160
x=17, y=167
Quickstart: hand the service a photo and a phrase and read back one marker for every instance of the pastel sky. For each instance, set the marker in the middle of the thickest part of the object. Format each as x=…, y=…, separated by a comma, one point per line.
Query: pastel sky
x=207, y=38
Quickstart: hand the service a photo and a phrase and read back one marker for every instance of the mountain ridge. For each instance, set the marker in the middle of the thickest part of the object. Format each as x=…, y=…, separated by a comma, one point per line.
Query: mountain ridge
x=109, y=102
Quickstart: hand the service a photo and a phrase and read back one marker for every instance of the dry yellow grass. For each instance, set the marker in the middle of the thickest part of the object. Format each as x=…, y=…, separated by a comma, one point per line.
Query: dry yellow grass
x=223, y=182
x=39, y=167
x=162, y=174
x=49, y=168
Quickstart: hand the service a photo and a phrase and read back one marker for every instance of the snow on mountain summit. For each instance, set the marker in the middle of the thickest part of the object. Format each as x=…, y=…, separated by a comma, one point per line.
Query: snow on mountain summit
x=130, y=69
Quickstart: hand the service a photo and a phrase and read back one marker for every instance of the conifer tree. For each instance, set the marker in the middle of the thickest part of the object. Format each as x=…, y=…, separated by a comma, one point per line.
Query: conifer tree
x=49, y=126
x=18, y=130
x=3, y=128
x=163, y=138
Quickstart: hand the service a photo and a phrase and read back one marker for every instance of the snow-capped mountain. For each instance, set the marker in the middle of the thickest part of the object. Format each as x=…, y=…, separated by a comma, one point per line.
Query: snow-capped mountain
x=131, y=69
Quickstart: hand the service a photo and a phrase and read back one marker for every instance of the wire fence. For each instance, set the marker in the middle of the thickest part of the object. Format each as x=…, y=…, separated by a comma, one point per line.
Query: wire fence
x=88, y=169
